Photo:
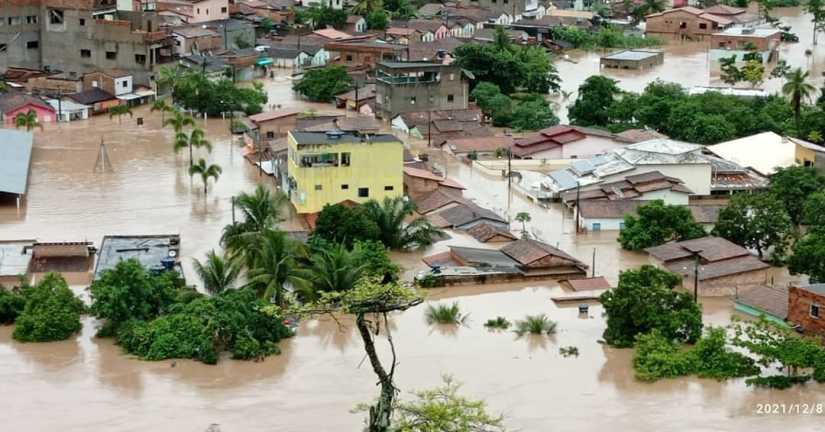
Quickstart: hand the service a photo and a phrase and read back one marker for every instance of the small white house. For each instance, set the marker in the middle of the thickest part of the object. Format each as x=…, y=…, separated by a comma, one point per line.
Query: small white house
x=68, y=110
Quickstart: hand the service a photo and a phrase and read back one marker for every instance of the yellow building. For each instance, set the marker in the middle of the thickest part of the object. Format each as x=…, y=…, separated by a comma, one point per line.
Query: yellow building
x=335, y=166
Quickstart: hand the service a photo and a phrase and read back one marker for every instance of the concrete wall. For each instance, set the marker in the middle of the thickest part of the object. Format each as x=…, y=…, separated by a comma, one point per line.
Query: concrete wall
x=209, y=10
x=681, y=23
x=606, y=224
x=450, y=92
x=18, y=34
x=799, y=310
x=728, y=285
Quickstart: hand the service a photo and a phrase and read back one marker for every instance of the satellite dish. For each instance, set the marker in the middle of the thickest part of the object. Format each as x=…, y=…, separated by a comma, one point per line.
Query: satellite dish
x=173, y=253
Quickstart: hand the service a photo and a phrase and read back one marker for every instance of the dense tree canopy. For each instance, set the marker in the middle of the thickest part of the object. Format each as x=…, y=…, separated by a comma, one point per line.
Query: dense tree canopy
x=755, y=221
x=658, y=223
x=51, y=313
x=193, y=90
x=322, y=84
x=530, y=112
x=12, y=303
x=339, y=223
x=793, y=186
x=645, y=300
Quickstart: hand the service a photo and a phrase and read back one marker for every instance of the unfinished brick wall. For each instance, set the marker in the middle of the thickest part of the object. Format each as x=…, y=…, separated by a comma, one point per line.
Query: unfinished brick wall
x=799, y=310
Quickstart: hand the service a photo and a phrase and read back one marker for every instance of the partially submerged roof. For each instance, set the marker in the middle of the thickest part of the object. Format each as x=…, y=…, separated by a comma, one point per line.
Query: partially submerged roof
x=437, y=199
x=528, y=251
x=15, y=257
x=62, y=250
x=485, y=232
x=272, y=115
x=478, y=144
x=149, y=250
x=605, y=209
x=483, y=257
x=588, y=284
x=633, y=55
x=464, y=214
x=14, y=101
x=770, y=300
x=92, y=96
x=15, y=160
x=709, y=248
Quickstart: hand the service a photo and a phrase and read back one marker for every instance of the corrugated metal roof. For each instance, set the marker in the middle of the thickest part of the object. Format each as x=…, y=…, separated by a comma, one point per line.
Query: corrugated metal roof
x=15, y=160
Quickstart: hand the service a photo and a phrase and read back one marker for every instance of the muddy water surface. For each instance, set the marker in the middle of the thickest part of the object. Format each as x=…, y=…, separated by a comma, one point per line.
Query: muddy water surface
x=88, y=384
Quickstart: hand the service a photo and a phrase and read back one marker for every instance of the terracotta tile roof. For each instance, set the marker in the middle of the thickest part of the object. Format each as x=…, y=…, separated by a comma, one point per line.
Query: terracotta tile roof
x=771, y=300
x=91, y=96
x=64, y=249
x=483, y=257
x=479, y=144
x=436, y=200
x=272, y=115
x=483, y=232
x=466, y=213
x=11, y=102
x=527, y=251
x=440, y=259
x=717, y=269
x=639, y=135
x=331, y=33
x=723, y=10
x=587, y=284
x=423, y=174
x=400, y=31
x=710, y=249
x=609, y=209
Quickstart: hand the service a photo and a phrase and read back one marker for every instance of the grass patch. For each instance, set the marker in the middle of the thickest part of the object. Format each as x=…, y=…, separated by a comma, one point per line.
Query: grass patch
x=569, y=351
x=535, y=324
x=498, y=323
x=445, y=314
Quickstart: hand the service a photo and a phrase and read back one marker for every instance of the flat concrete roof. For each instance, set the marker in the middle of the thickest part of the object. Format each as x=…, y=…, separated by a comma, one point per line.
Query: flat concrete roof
x=748, y=32
x=149, y=250
x=634, y=55
x=13, y=260
x=15, y=160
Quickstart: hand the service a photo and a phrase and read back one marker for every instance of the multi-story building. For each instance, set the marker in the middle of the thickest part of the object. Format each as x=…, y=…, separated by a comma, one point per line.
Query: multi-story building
x=402, y=87
x=80, y=36
x=514, y=8
x=335, y=166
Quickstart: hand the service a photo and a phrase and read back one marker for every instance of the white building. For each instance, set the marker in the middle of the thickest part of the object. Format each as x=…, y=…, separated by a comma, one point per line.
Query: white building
x=68, y=110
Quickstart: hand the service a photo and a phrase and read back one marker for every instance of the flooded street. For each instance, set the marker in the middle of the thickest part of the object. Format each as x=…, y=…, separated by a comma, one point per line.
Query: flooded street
x=88, y=384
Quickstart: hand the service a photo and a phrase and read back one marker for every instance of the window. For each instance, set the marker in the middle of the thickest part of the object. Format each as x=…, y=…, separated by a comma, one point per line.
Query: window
x=85, y=53
x=597, y=226
x=621, y=226
x=363, y=192
x=3, y=48
x=412, y=100
x=345, y=159
x=703, y=26
x=349, y=57
x=111, y=55
x=140, y=58
x=809, y=163
x=14, y=21
x=450, y=98
x=814, y=310
x=319, y=187
x=389, y=188
x=223, y=10
x=683, y=25
x=344, y=187
x=199, y=10
x=33, y=44
x=82, y=22
x=31, y=19
x=270, y=134
x=124, y=84
x=319, y=160
x=55, y=16
x=452, y=77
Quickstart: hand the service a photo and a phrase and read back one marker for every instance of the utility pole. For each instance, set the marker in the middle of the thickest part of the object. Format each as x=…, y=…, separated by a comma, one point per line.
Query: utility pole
x=592, y=268
x=696, y=276
x=578, y=194
x=233, y=209
x=509, y=179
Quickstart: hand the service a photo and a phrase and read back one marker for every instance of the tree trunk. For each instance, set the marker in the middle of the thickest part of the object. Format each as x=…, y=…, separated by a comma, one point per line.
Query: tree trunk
x=190, y=158
x=205, y=184
x=381, y=412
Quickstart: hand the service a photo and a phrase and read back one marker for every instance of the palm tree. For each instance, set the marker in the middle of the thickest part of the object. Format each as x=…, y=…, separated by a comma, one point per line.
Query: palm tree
x=390, y=215
x=27, y=120
x=501, y=39
x=120, y=111
x=195, y=139
x=163, y=107
x=217, y=273
x=333, y=269
x=205, y=171
x=179, y=120
x=260, y=211
x=274, y=266
x=798, y=90
x=171, y=77
x=523, y=217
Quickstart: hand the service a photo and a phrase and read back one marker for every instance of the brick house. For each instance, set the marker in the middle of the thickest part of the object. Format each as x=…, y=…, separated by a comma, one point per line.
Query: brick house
x=686, y=23
x=806, y=307
x=274, y=124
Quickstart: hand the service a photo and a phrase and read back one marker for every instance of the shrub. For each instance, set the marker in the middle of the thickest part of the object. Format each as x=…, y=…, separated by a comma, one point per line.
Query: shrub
x=780, y=382
x=712, y=359
x=444, y=314
x=657, y=357
x=11, y=304
x=373, y=255
x=429, y=280
x=535, y=324
x=569, y=351
x=498, y=323
x=52, y=312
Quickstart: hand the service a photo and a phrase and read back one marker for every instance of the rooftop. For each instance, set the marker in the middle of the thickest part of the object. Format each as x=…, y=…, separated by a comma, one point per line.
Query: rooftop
x=339, y=137
x=15, y=257
x=633, y=55
x=770, y=300
x=484, y=232
x=764, y=152
x=15, y=160
x=149, y=250
x=587, y=284
x=710, y=249
x=818, y=289
x=759, y=32
x=528, y=251
x=272, y=115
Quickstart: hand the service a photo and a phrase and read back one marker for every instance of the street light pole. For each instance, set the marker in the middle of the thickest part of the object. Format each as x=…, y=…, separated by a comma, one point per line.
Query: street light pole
x=696, y=276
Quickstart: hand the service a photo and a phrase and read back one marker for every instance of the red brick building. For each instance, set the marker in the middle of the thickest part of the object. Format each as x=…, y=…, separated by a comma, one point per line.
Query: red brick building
x=806, y=307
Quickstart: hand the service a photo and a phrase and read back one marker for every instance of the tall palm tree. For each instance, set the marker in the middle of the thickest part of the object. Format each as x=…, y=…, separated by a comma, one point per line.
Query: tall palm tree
x=163, y=107
x=798, y=90
x=179, y=120
x=206, y=171
x=395, y=233
x=260, y=210
x=332, y=269
x=195, y=139
x=274, y=267
x=217, y=273
x=120, y=111
x=27, y=120
x=171, y=77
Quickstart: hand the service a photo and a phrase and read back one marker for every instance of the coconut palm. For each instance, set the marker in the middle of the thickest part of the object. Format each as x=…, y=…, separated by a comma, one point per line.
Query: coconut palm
x=163, y=107
x=179, y=120
x=27, y=120
x=332, y=269
x=195, y=139
x=260, y=210
x=395, y=233
x=170, y=77
x=523, y=217
x=273, y=266
x=798, y=90
x=217, y=273
x=205, y=172
x=120, y=111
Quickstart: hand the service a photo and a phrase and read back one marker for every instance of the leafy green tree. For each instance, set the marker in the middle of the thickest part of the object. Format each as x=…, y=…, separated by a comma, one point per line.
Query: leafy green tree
x=169, y=77
x=205, y=171
x=596, y=95
x=365, y=7
x=798, y=90
x=443, y=409
x=816, y=8
x=12, y=303
x=195, y=139
x=658, y=223
x=323, y=84
x=274, y=266
x=793, y=185
x=509, y=66
x=523, y=217
x=52, y=312
x=813, y=211
x=753, y=72
x=119, y=111
x=540, y=76
x=27, y=120
x=645, y=300
x=179, y=121
x=377, y=263
x=781, y=69
x=501, y=110
x=400, y=9
x=730, y=73
x=658, y=357
x=342, y=224
x=483, y=93
x=755, y=221
x=377, y=20
x=266, y=25
x=217, y=273
x=129, y=292
x=389, y=216
x=195, y=91
x=323, y=16
x=809, y=256
x=533, y=115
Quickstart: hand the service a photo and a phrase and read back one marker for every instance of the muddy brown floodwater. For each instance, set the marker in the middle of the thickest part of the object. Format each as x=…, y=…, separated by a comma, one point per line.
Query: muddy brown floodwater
x=88, y=384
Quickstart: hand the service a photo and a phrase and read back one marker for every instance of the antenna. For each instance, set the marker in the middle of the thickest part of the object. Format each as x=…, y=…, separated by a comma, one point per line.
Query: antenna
x=102, y=163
